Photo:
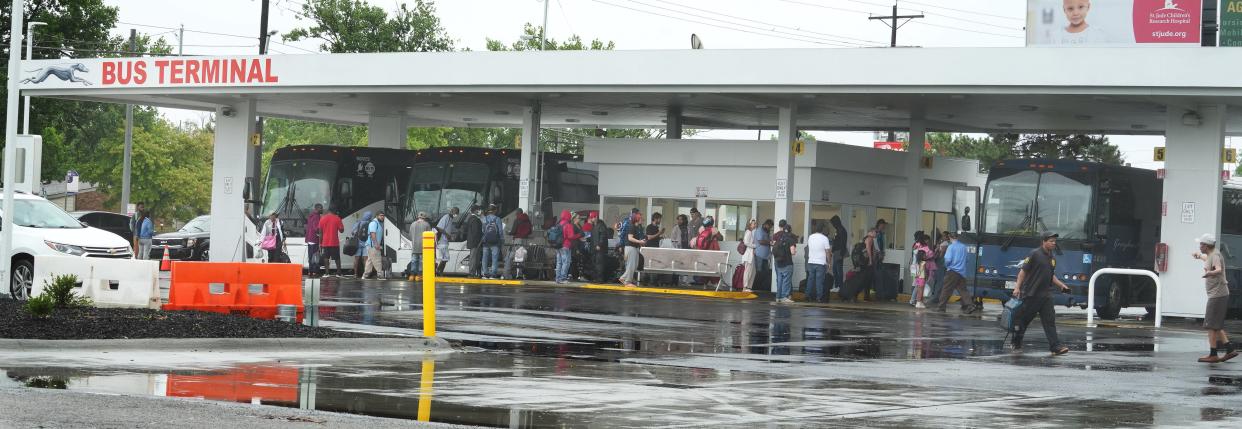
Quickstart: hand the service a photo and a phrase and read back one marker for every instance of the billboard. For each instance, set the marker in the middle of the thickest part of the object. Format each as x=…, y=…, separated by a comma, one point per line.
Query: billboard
x=1230, y=22
x=1114, y=22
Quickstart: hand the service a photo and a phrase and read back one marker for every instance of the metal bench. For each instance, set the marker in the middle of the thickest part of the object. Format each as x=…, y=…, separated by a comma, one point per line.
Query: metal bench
x=686, y=262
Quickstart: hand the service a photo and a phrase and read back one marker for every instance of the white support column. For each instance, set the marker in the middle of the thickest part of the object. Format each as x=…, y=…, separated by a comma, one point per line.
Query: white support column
x=914, y=182
x=386, y=131
x=228, y=181
x=528, y=182
x=783, y=187
x=1194, y=139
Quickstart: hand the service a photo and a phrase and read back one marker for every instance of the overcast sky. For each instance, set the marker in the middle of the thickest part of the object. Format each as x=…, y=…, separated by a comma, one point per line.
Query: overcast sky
x=632, y=24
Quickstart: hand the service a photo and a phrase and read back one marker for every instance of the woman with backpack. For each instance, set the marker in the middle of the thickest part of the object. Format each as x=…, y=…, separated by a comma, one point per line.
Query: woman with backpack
x=272, y=239
x=922, y=262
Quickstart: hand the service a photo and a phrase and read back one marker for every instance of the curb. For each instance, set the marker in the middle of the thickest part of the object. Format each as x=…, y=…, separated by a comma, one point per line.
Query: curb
x=201, y=345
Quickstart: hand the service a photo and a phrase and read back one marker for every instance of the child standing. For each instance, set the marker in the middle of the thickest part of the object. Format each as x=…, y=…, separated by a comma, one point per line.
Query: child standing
x=1218, y=300
x=919, y=268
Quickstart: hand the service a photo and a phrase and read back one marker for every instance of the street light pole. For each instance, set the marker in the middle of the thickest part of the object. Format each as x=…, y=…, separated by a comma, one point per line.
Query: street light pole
x=543, y=33
x=10, y=140
x=29, y=56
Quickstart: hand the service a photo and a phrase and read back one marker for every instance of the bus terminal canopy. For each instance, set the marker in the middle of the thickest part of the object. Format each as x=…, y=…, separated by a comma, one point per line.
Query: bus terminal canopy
x=1092, y=90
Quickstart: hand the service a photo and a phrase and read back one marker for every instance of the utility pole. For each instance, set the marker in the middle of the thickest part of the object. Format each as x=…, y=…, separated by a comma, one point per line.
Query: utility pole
x=257, y=167
x=543, y=33
x=894, y=24
x=129, y=137
x=30, y=26
x=181, y=41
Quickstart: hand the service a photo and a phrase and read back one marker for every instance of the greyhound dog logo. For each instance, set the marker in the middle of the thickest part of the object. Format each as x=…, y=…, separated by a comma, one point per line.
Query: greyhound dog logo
x=62, y=72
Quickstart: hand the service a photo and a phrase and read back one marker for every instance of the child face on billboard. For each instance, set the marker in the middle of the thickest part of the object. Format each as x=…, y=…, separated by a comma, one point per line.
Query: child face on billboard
x=1076, y=11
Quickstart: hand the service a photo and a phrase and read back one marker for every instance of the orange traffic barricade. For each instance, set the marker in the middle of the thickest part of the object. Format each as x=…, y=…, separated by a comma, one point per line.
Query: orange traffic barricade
x=192, y=284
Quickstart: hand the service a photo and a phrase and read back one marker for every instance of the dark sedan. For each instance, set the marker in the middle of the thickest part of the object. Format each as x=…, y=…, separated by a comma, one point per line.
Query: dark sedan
x=190, y=243
x=115, y=223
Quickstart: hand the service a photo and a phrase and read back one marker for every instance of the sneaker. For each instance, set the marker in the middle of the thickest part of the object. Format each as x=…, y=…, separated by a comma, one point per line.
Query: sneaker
x=1227, y=356
x=970, y=310
x=1063, y=350
x=920, y=305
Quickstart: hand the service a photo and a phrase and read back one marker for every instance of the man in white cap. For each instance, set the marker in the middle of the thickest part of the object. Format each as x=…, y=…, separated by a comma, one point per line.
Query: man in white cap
x=1218, y=300
x=417, y=229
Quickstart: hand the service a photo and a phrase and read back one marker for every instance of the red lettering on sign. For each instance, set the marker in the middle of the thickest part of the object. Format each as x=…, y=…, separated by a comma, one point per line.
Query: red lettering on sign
x=210, y=69
x=256, y=72
x=270, y=78
x=176, y=71
x=237, y=71
x=109, y=73
x=191, y=71
x=140, y=72
x=161, y=64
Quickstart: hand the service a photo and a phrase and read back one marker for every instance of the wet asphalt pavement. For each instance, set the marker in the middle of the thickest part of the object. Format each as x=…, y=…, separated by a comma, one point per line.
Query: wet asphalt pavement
x=564, y=357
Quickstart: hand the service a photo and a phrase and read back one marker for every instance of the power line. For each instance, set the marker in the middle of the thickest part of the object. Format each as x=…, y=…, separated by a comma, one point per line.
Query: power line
x=799, y=39
x=826, y=41
x=216, y=34
x=916, y=22
x=966, y=11
x=828, y=35
x=970, y=31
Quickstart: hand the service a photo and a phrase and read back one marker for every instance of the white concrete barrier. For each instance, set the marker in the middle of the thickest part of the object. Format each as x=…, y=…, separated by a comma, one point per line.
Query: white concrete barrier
x=108, y=282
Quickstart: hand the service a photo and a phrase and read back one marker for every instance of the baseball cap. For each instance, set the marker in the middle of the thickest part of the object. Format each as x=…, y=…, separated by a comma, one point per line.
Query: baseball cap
x=1207, y=239
x=1046, y=235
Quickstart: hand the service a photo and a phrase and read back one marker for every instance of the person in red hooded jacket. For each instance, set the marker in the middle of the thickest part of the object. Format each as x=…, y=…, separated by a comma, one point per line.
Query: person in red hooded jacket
x=564, y=255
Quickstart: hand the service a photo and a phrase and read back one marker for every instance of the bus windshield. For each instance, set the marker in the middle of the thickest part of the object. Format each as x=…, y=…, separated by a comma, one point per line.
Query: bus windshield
x=1027, y=203
x=436, y=187
x=293, y=188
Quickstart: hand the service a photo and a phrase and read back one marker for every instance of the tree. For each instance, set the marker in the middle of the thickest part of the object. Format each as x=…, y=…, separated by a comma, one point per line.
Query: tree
x=529, y=41
x=997, y=147
x=170, y=169
x=353, y=26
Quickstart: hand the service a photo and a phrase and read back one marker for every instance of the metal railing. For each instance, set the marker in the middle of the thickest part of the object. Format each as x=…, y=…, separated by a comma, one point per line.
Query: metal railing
x=1120, y=271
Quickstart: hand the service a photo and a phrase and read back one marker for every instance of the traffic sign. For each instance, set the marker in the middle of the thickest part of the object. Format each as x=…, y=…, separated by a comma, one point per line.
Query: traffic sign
x=72, y=184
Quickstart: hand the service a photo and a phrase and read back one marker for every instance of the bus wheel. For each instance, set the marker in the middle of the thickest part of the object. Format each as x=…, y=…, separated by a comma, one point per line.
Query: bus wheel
x=1112, y=307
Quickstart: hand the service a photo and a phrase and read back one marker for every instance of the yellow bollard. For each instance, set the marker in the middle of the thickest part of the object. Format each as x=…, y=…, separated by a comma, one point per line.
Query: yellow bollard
x=425, y=384
x=429, y=284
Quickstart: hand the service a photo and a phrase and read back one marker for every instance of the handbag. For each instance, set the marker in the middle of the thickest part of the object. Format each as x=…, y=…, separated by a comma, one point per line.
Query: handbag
x=268, y=243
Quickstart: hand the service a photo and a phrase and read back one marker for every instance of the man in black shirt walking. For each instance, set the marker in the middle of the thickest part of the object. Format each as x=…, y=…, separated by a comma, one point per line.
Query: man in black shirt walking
x=1037, y=281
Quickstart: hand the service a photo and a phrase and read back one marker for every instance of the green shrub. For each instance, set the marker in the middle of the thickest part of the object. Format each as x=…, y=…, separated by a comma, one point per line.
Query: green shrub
x=60, y=289
x=40, y=307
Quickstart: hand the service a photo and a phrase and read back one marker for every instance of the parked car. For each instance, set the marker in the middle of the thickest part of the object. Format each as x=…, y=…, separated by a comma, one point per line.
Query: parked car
x=115, y=223
x=192, y=241
x=42, y=228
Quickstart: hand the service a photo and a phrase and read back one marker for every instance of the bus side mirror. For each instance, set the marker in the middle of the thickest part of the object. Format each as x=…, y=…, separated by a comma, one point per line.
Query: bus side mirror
x=246, y=189
x=390, y=193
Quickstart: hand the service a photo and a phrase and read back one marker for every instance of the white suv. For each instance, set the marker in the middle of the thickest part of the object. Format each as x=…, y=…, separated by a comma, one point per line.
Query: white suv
x=42, y=228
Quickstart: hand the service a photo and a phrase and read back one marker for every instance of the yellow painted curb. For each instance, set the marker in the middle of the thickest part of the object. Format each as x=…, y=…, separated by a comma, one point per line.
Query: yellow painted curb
x=463, y=280
x=706, y=293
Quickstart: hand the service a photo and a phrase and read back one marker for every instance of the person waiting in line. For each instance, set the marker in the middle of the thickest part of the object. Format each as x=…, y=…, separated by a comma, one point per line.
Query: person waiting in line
x=922, y=263
x=473, y=229
x=359, y=240
x=784, y=247
x=330, y=229
x=1218, y=301
x=875, y=256
x=492, y=239
x=570, y=236
x=417, y=229
x=696, y=221
x=679, y=236
x=520, y=233
x=1037, y=281
x=635, y=239
x=135, y=225
x=599, y=247
x=748, y=257
x=655, y=234
x=955, y=278
x=708, y=239
x=146, y=231
x=818, y=253
x=840, y=248
x=313, y=240
x=578, y=259
x=375, y=248
x=272, y=239
x=942, y=246
x=446, y=229
x=763, y=256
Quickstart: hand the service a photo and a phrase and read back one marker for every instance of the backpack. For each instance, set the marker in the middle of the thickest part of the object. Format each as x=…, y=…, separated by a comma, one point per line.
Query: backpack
x=780, y=247
x=555, y=236
x=858, y=256
x=491, y=231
